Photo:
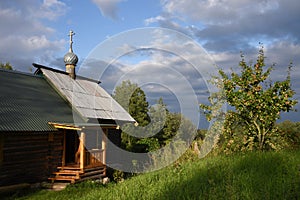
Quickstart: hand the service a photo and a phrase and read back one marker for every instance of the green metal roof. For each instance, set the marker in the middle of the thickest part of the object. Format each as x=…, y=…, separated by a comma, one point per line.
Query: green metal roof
x=28, y=103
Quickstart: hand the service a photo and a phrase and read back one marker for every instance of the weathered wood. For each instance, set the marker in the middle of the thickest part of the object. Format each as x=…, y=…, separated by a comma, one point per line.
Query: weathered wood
x=98, y=176
x=82, y=151
x=65, y=126
x=104, y=146
x=64, y=149
x=1, y=148
x=94, y=157
x=66, y=172
x=74, y=175
x=29, y=157
x=98, y=172
x=68, y=168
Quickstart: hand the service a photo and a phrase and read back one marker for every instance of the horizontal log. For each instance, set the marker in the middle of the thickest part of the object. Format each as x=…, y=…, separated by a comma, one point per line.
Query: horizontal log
x=98, y=176
x=11, y=188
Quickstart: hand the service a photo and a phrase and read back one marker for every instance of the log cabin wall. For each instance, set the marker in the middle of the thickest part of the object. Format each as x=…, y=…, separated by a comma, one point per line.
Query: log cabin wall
x=29, y=157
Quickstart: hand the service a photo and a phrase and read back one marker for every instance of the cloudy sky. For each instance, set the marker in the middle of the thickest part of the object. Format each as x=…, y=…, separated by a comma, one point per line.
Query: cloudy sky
x=163, y=64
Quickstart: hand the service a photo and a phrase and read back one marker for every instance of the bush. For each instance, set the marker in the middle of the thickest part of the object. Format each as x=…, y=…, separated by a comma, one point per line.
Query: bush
x=290, y=134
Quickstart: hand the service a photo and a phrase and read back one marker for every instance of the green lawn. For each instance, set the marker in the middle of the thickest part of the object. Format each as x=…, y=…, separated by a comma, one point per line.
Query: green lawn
x=268, y=175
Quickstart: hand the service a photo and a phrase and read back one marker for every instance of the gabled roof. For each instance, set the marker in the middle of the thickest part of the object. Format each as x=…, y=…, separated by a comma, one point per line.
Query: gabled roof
x=86, y=96
x=39, y=71
x=28, y=103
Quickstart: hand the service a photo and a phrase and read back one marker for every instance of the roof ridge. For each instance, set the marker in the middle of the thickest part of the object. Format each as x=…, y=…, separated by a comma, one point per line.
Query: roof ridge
x=38, y=66
x=19, y=72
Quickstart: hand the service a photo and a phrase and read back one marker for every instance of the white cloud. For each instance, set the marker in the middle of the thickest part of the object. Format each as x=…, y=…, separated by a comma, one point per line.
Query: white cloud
x=152, y=20
x=51, y=9
x=232, y=25
x=216, y=11
x=108, y=8
x=22, y=45
x=24, y=37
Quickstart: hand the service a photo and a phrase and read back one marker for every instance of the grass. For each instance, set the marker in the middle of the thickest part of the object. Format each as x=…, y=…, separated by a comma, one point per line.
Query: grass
x=256, y=175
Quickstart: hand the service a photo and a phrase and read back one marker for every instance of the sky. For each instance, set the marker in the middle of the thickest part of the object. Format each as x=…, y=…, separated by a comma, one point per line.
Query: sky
x=166, y=46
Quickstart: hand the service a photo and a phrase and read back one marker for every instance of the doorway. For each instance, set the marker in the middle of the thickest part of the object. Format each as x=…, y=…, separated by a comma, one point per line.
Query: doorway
x=72, y=144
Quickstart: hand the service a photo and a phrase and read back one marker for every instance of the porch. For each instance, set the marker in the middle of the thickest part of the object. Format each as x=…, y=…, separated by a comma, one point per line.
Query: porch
x=73, y=173
x=84, y=153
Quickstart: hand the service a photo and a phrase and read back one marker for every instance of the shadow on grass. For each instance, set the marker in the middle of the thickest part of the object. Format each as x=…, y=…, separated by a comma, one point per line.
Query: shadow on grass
x=257, y=175
x=18, y=193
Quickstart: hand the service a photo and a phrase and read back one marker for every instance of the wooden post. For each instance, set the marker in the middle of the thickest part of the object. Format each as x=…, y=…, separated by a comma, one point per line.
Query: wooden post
x=104, y=146
x=1, y=148
x=82, y=151
x=63, y=163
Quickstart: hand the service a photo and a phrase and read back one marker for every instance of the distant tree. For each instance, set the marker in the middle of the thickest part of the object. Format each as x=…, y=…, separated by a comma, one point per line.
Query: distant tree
x=289, y=134
x=6, y=65
x=133, y=99
x=164, y=124
x=176, y=135
x=158, y=114
x=257, y=104
x=171, y=127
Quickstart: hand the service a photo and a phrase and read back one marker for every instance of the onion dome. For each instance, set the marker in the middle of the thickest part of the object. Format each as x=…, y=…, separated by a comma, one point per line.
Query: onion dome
x=70, y=58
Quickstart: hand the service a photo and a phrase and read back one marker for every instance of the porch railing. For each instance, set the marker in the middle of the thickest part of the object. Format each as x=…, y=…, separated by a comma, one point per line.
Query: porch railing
x=94, y=157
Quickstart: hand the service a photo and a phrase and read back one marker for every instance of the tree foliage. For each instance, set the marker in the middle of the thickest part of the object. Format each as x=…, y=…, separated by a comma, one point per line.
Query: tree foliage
x=257, y=103
x=158, y=124
x=133, y=99
x=6, y=65
x=289, y=134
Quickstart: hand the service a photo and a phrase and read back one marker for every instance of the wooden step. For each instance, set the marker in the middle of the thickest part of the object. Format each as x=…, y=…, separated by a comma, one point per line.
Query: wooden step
x=68, y=172
x=95, y=168
x=89, y=178
x=91, y=173
x=69, y=168
x=73, y=174
x=66, y=177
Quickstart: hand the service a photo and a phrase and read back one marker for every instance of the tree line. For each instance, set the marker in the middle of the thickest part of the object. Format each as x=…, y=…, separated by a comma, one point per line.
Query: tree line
x=157, y=124
x=251, y=124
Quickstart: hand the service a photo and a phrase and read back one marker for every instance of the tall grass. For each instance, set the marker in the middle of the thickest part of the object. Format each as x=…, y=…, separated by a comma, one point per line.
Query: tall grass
x=256, y=175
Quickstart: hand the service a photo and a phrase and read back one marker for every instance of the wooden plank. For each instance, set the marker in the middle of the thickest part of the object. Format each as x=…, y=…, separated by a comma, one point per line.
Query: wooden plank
x=65, y=126
x=69, y=168
x=98, y=176
x=104, y=146
x=30, y=158
x=64, y=149
x=67, y=173
x=82, y=151
x=98, y=172
x=1, y=148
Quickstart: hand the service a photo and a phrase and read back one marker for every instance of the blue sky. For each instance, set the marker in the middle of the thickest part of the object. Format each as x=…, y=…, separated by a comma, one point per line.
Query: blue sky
x=36, y=31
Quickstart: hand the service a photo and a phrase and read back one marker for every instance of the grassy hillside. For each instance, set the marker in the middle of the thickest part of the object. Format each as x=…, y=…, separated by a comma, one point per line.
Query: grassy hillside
x=270, y=175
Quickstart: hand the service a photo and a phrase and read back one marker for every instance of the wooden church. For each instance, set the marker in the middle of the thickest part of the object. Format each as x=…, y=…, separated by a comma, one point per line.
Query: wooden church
x=54, y=125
